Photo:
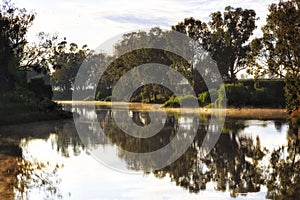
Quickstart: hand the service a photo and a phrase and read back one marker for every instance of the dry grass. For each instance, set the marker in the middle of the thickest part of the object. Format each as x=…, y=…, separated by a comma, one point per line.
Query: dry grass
x=246, y=113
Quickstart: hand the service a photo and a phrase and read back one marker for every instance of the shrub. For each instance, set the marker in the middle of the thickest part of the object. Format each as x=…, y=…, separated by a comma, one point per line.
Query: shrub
x=188, y=100
x=236, y=94
x=175, y=102
x=259, y=98
x=20, y=95
x=204, y=97
x=107, y=98
x=39, y=88
x=48, y=105
x=266, y=92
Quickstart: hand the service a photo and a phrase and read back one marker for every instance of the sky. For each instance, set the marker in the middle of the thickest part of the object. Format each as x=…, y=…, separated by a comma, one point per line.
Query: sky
x=92, y=22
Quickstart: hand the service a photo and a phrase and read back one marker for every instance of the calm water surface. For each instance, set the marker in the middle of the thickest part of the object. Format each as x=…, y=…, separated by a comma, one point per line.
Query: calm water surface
x=47, y=160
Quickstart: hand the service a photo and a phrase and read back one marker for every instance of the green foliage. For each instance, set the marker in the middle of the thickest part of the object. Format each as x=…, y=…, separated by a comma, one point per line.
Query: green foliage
x=237, y=95
x=292, y=92
x=89, y=98
x=102, y=92
x=107, y=98
x=266, y=92
x=47, y=105
x=270, y=94
x=259, y=98
x=188, y=99
x=21, y=96
x=277, y=53
x=224, y=36
x=174, y=102
x=14, y=23
x=67, y=61
x=204, y=98
x=40, y=89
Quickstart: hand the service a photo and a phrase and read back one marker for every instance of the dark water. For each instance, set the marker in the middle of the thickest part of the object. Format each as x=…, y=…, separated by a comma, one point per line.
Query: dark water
x=253, y=159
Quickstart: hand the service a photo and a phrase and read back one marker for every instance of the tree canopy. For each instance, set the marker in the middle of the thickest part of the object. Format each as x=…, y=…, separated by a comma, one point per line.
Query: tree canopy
x=14, y=23
x=225, y=36
x=278, y=52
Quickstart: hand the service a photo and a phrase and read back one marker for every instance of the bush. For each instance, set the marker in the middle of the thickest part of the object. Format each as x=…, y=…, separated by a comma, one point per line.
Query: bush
x=107, y=98
x=39, y=88
x=188, y=100
x=174, y=102
x=20, y=95
x=266, y=92
x=236, y=94
x=259, y=98
x=204, y=97
x=47, y=105
x=240, y=95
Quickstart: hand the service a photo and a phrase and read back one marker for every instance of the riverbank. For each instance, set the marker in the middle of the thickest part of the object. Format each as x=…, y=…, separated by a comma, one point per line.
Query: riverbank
x=245, y=113
x=19, y=115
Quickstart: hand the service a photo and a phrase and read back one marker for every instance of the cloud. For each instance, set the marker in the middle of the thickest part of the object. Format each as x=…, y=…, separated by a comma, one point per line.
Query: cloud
x=138, y=20
x=94, y=21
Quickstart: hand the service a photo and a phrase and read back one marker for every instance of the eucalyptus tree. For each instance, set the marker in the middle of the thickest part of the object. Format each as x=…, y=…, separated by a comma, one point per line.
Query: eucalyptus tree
x=225, y=36
x=277, y=52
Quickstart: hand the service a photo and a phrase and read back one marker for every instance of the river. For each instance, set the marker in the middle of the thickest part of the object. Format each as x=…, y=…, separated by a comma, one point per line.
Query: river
x=49, y=160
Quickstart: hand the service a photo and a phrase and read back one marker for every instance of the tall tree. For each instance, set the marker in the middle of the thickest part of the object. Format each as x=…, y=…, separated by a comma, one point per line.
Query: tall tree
x=38, y=56
x=129, y=55
x=14, y=23
x=278, y=51
x=225, y=36
x=67, y=60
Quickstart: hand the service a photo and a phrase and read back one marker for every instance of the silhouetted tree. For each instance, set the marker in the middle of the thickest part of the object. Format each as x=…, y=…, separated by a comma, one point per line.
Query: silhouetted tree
x=14, y=23
x=225, y=36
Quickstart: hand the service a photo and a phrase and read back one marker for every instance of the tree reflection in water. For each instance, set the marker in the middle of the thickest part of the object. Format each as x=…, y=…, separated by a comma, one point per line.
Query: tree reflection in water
x=234, y=164
x=237, y=164
x=283, y=181
x=19, y=176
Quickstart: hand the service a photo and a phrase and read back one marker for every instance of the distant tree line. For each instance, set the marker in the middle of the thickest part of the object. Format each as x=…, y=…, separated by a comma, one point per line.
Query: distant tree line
x=226, y=36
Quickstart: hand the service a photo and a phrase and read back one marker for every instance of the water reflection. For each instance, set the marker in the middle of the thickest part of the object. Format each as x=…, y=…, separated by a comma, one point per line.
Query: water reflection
x=235, y=164
x=243, y=161
x=232, y=164
x=283, y=181
x=19, y=174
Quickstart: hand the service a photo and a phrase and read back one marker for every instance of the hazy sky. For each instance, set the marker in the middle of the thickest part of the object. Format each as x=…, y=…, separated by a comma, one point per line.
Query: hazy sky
x=94, y=21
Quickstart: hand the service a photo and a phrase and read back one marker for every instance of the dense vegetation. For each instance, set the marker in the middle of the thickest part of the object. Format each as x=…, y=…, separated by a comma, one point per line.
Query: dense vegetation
x=22, y=98
x=245, y=93
x=226, y=36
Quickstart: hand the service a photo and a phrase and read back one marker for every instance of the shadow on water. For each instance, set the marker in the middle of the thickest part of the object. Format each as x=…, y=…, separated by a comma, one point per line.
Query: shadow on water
x=238, y=164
